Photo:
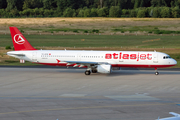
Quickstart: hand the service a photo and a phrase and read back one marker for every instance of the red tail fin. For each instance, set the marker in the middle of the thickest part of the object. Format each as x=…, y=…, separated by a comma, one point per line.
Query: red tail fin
x=19, y=41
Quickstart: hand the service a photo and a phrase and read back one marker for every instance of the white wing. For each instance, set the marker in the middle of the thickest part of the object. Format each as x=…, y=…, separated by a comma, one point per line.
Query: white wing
x=84, y=63
x=175, y=114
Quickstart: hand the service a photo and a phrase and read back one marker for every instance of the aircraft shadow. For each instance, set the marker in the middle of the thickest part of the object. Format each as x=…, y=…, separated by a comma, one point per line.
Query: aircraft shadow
x=121, y=72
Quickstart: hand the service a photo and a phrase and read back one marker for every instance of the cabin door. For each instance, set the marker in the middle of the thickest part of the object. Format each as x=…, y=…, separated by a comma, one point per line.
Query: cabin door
x=155, y=58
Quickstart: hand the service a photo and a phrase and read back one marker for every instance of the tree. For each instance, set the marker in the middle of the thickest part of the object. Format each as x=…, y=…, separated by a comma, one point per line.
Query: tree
x=3, y=4
x=142, y=3
x=36, y=11
x=41, y=11
x=137, y=4
x=74, y=4
x=101, y=12
x=141, y=14
x=49, y=4
x=101, y=3
x=87, y=12
x=165, y=12
x=93, y=12
x=48, y=13
x=159, y=3
x=14, y=12
x=61, y=5
x=175, y=12
x=68, y=12
x=96, y=4
x=26, y=5
x=25, y=12
x=81, y=13
x=14, y=4
x=177, y=3
x=147, y=3
x=125, y=12
x=115, y=11
x=2, y=13
x=133, y=13
x=156, y=12
x=96, y=7
x=11, y=4
x=32, y=4
x=88, y=3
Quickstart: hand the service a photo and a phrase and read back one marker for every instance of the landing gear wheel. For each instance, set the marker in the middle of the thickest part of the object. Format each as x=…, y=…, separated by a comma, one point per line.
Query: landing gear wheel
x=87, y=72
x=156, y=73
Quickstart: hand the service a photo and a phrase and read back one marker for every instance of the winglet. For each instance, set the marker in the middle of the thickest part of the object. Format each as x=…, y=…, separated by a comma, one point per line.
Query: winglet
x=19, y=41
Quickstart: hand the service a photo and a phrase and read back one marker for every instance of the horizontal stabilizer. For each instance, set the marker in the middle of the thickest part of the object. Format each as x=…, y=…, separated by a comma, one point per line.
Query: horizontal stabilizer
x=20, y=55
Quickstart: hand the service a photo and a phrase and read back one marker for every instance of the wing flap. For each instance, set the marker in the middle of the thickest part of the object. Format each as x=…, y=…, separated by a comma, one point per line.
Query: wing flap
x=85, y=62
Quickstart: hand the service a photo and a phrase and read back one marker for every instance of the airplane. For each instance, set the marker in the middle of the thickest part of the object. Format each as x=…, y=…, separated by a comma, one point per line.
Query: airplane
x=176, y=117
x=93, y=61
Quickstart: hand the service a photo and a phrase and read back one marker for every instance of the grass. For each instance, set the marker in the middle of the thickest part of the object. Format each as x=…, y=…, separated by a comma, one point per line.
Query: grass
x=98, y=41
x=68, y=30
x=82, y=25
x=147, y=29
x=63, y=29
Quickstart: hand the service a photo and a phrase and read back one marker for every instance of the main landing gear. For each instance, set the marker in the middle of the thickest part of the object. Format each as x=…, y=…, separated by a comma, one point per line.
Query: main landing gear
x=156, y=71
x=94, y=71
x=87, y=72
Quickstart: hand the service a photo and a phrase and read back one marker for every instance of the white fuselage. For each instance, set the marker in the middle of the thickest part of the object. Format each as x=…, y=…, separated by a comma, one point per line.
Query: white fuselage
x=114, y=58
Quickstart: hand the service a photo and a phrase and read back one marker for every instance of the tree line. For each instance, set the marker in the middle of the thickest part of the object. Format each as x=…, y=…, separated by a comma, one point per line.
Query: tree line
x=90, y=8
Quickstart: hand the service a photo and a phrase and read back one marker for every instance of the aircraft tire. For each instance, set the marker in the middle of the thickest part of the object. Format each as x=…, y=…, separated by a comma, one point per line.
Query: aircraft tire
x=87, y=72
x=156, y=73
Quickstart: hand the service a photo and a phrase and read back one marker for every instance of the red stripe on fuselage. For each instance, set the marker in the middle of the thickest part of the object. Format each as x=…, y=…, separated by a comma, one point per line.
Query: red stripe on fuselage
x=142, y=66
x=114, y=65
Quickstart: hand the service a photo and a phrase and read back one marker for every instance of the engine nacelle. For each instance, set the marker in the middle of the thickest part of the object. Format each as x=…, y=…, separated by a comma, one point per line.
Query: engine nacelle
x=104, y=68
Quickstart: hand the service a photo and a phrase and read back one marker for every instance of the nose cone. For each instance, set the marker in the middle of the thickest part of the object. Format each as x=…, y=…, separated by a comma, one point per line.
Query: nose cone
x=173, y=62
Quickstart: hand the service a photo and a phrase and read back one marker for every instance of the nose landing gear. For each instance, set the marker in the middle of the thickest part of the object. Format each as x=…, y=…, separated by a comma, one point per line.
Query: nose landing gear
x=156, y=71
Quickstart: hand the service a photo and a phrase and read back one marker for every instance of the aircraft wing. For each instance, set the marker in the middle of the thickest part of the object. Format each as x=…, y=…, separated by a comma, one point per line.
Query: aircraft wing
x=175, y=114
x=84, y=63
x=176, y=117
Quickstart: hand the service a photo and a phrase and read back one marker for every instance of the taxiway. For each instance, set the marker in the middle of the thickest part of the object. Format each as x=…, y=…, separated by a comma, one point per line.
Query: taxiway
x=68, y=94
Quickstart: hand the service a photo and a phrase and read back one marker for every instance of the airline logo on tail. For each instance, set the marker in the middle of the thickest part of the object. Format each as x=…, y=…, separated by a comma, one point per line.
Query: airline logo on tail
x=19, y=39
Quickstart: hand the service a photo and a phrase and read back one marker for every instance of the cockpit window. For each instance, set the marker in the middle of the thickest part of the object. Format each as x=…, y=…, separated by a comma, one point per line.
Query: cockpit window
x=166, y=57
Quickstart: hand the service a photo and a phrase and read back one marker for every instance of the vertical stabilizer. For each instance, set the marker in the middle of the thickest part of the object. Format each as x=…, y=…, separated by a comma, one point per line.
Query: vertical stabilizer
x=19, y=41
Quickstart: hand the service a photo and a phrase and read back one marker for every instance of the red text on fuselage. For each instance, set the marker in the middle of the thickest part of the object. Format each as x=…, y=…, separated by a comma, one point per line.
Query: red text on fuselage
x=129, y=56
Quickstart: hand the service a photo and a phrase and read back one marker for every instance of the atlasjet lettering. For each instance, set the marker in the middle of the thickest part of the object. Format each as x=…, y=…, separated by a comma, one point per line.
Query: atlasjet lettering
x=129, y=56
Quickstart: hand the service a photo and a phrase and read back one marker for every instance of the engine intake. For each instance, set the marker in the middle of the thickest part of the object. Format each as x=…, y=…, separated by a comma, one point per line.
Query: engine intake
x=104, y=68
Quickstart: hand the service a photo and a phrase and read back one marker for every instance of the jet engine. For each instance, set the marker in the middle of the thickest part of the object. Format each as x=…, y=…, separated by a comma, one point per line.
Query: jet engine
x=104, y=68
